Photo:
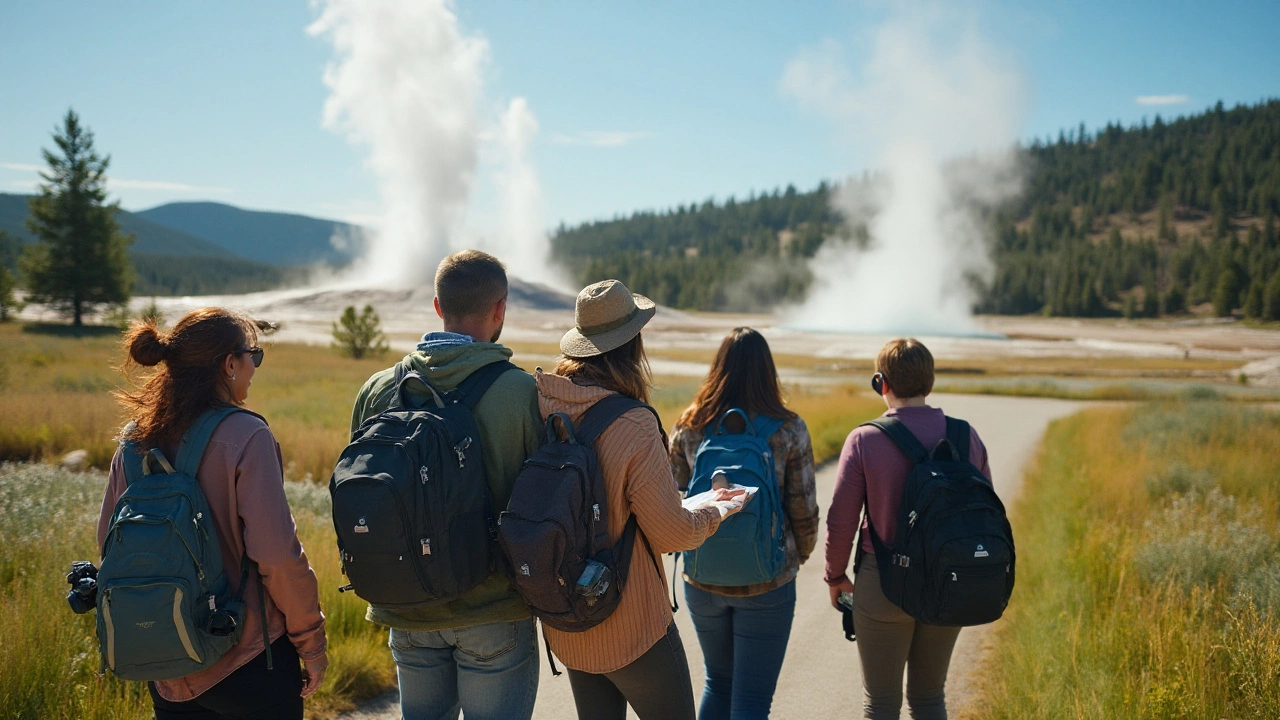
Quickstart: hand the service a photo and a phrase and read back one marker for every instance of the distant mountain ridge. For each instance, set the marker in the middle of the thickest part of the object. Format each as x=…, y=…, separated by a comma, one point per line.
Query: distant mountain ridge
x=167, y=261
x=270, y=237
x=149, y=237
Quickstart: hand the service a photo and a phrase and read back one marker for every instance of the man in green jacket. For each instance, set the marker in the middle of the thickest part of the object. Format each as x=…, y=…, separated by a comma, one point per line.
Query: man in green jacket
x=476, y=653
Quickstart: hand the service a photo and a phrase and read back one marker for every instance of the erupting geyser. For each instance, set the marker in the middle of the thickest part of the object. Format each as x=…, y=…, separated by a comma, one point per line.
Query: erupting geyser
x=942, y=113
x=407, y=84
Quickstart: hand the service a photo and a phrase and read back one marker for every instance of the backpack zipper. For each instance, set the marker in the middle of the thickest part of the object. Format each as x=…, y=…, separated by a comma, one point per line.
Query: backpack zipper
x=461, y=450
x=150, y=520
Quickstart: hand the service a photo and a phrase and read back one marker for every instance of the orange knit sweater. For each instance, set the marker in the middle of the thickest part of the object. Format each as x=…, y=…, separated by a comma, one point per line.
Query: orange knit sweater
x=637, y=478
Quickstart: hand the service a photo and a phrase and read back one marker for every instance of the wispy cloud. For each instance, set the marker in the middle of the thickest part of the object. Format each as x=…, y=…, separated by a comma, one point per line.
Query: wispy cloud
x=1162, y=99
x=21, y=167
x=116, y=183
x=602, y=138
x=121, y=183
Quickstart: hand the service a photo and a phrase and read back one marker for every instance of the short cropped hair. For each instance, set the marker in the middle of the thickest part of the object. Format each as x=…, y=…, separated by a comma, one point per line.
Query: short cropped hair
x=469, y=283
x=907, y=366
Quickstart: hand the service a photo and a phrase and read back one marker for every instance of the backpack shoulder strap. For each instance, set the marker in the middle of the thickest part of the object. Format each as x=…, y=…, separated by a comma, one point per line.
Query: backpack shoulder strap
x=766, y=426
x=397, y=397
x=470, y=391
x=132, y=460
x=399, y=393
x=197, y=437
x=958, y=436
x=906, y=441
x=600, y=416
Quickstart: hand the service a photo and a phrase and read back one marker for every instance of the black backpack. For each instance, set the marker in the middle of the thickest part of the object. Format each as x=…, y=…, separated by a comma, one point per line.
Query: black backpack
x=411, y=501
x=555, y=530
x=952, y=562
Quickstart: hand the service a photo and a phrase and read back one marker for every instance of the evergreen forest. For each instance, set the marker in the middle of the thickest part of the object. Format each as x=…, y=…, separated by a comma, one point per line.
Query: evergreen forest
x=1161, y=218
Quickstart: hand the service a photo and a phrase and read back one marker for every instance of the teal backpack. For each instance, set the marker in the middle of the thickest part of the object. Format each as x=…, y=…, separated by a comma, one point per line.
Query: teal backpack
x=165, y=609
x=750, y=547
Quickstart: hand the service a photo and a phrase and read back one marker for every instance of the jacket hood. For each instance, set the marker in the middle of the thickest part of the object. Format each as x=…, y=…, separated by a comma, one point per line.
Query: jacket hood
x=557, y=393
x=445, y=368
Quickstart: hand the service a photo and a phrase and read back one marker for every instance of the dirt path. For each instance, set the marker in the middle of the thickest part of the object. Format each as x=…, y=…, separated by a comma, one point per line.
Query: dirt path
x=820, y=678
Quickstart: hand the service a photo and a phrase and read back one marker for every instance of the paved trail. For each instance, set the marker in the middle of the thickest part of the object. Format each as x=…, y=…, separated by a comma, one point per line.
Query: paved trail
x=820, y=677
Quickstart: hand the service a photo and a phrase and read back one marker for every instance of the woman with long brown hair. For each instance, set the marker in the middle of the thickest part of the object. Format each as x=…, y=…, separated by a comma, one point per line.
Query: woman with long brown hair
x=207, y=363
x=635, y=655
x=743, y=619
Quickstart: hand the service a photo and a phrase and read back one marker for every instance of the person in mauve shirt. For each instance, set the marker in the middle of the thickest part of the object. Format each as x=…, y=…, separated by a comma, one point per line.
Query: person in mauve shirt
x=871, y=476
x=208, y=360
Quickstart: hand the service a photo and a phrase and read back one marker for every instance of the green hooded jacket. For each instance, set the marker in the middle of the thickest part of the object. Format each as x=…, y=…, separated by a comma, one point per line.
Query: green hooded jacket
x=510, y=431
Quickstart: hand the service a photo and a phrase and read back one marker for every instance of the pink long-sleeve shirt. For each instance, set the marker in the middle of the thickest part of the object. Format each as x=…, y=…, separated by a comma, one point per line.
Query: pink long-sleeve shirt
x=873, y=473
x=242, y=478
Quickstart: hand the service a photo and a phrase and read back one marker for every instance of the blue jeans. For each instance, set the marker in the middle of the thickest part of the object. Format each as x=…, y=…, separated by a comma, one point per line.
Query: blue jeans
x=489, y=672
x=744, y=640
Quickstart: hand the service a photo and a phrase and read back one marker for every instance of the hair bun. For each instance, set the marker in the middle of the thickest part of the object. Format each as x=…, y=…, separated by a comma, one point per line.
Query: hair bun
x=146, y=345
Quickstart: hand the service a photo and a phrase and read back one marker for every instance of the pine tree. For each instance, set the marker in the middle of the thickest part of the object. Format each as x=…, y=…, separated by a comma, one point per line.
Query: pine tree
x=1218, y=207
x=80, y=258
x=359, y=335
x=1271, y=298
x=1150, y=302
x=1253, y=300
x=8, y=303
x=1226, y=293
x=1174, y=300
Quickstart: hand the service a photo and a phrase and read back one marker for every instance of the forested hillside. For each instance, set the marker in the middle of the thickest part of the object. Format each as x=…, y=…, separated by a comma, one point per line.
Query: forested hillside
x=266, y=237
x=1148, y=220
x=166, y=261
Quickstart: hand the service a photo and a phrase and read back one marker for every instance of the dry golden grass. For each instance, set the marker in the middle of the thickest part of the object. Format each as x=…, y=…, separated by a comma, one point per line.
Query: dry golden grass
x=49, y=659
x=56, y=398
x=1149, y=570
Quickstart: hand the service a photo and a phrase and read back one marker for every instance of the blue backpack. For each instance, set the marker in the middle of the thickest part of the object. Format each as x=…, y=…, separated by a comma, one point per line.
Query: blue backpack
x=165, y=608
x=750, y=547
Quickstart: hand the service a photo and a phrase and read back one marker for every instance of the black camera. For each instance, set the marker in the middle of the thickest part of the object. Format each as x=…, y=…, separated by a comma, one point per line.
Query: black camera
x=83, y=579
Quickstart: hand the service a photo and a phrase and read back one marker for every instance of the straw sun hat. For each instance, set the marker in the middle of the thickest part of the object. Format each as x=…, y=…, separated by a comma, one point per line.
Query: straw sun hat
x=607, y=315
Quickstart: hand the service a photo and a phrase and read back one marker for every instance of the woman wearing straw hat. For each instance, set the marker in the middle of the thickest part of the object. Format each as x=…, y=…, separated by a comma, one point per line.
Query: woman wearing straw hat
x=635, y=656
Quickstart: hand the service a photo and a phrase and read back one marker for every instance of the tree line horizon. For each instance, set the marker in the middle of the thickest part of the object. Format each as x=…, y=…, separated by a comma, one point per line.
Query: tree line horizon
x=1151, y=220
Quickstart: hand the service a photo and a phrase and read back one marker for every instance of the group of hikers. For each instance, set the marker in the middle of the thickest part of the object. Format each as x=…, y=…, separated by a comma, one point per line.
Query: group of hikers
x=475, y=499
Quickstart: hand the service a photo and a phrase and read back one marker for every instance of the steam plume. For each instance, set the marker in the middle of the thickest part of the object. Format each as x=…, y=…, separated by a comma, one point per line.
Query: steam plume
x=407, y=84
x=941, y=112
x=523, y=235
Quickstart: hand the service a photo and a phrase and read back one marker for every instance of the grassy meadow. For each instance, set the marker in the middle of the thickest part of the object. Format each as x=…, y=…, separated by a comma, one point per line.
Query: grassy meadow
x=1149, y=569
x=49, y=660
x=55, y=396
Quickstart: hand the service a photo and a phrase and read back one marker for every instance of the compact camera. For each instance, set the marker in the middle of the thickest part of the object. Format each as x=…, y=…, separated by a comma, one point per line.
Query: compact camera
x=83, y=579
x=594, y=581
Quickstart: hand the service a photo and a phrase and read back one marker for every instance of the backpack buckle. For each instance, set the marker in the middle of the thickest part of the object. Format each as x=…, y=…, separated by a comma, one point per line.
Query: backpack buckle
x=902, y=561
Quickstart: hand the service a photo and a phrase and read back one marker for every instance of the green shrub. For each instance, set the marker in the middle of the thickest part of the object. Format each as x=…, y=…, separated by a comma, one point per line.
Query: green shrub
x=1178, y=479
x=1202, y=542
x=357, y=336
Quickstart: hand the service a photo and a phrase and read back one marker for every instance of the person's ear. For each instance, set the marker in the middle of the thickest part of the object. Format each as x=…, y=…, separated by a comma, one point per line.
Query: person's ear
x=500, y=311
x=439, y=312
x=229, y=365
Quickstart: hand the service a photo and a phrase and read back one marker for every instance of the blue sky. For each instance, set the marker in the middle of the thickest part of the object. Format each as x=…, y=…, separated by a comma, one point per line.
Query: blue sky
x=640, y=105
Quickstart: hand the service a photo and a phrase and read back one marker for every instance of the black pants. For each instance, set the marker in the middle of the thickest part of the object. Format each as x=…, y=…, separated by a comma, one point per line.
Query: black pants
x=250, y=693
x=656, y=685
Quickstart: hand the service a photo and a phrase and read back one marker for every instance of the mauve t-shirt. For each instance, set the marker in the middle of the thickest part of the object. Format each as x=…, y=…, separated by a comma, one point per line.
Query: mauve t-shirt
x=872, y=473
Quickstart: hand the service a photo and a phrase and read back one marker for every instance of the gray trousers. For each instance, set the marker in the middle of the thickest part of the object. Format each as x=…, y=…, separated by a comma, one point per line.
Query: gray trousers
x=890, y=640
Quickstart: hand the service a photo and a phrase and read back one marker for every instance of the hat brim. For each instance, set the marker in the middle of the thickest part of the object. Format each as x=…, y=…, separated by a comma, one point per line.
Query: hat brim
x=576, y=345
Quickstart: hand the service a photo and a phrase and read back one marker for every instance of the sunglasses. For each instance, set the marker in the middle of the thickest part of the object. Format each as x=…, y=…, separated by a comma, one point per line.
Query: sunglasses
x=255, y=353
